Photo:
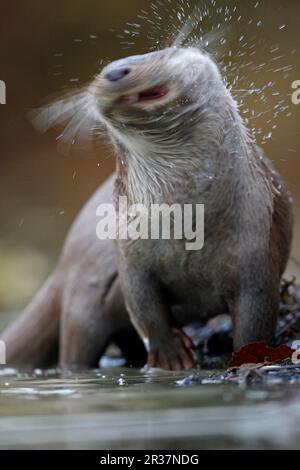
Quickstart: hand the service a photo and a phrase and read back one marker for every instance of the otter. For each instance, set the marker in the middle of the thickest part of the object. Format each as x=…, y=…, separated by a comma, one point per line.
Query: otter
x=178, y=138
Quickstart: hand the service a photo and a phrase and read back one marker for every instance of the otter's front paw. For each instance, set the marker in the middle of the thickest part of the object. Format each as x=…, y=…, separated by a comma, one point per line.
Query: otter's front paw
x=175, y=353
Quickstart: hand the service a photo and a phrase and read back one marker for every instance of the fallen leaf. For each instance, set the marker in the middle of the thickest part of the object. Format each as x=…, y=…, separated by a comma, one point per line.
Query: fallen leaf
x=259, y=352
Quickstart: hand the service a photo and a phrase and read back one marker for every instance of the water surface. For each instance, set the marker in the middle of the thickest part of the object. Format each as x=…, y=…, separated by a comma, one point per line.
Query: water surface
x=128, y=409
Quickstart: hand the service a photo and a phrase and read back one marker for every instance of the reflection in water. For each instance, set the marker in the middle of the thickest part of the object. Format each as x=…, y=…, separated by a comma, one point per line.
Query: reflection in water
x=129, y=409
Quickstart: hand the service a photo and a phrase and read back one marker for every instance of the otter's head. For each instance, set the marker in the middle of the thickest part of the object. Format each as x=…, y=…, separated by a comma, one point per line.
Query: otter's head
x=161, y=99
x=157, y=88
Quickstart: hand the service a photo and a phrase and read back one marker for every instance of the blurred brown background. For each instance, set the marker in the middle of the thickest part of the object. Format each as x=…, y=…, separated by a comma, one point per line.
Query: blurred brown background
x=49, y=47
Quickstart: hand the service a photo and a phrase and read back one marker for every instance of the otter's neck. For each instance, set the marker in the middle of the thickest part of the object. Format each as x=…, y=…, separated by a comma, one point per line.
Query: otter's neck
x=198, y=153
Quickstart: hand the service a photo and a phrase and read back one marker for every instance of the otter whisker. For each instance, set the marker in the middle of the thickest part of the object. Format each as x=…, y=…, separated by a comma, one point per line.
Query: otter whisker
x=76, y=112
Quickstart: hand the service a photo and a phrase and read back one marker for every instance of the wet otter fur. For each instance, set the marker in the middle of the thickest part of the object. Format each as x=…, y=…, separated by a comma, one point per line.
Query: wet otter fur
x=178, y=138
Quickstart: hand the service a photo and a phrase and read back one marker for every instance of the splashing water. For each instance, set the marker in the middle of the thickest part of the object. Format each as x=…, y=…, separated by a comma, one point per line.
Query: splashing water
x=235, y=42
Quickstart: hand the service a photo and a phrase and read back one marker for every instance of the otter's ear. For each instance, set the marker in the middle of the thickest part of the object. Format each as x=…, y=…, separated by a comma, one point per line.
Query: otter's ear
x=76, y=113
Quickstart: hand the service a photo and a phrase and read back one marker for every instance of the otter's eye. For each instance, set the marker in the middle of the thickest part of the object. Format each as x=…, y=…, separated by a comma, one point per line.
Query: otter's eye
x=117, y=74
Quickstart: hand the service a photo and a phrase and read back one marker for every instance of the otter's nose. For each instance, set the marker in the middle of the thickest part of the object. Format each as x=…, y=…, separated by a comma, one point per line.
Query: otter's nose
x=117, y=74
